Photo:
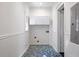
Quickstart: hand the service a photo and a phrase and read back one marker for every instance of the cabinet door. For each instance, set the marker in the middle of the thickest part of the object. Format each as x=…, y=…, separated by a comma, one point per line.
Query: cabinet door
x=39, y=20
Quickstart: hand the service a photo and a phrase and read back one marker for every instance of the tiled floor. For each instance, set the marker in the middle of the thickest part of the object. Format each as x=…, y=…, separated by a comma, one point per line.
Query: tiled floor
x=41, y=51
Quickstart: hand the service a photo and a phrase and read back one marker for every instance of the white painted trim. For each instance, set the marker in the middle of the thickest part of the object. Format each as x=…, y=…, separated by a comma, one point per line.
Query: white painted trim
x=39, y=44
x=73, y=4
x=9, y=35
x=25, y=50
x=59, y=5
x=54, y=48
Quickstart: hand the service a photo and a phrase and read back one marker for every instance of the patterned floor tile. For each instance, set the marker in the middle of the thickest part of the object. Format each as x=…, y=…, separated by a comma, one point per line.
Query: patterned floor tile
x=41, y=51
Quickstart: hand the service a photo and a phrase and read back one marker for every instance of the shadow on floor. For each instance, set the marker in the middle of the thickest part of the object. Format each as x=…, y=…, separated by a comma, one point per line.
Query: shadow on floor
x=41, y=51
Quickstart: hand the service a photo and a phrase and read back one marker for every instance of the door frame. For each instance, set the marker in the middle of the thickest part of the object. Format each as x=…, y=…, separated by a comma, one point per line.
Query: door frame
x=61, y=5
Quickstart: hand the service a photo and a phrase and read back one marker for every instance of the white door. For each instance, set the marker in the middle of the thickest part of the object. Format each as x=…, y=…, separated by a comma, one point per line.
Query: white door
x=75, y=24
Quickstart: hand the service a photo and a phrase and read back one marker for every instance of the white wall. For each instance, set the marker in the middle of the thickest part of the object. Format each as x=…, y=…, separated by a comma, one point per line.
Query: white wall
x=38, y=11
x=26, y=17
x=71, y=49
x=13, y=40
x=40, y=32
x=10, y=15
x=53, y=41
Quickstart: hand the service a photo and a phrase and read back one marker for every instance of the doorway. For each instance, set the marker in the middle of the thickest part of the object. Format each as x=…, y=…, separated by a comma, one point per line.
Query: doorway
x=60, y=29
x=39, y=31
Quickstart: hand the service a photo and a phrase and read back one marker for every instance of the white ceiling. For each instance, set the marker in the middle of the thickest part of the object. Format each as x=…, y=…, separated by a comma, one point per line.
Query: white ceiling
x=40, y=4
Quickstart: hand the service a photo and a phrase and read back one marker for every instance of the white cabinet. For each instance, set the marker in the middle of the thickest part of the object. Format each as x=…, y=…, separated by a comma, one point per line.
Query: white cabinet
x=39, y=20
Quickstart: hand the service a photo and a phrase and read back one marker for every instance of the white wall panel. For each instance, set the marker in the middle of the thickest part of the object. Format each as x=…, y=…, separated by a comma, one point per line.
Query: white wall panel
x=39, y=31
x=12, y=23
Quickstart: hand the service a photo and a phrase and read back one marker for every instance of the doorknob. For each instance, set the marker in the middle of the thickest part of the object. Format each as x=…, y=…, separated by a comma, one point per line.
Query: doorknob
x=72, y=23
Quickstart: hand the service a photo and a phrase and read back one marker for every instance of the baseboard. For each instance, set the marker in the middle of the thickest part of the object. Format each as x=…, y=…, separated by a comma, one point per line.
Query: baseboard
x=24, y=51
x=39, y=44
x=54, y=48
